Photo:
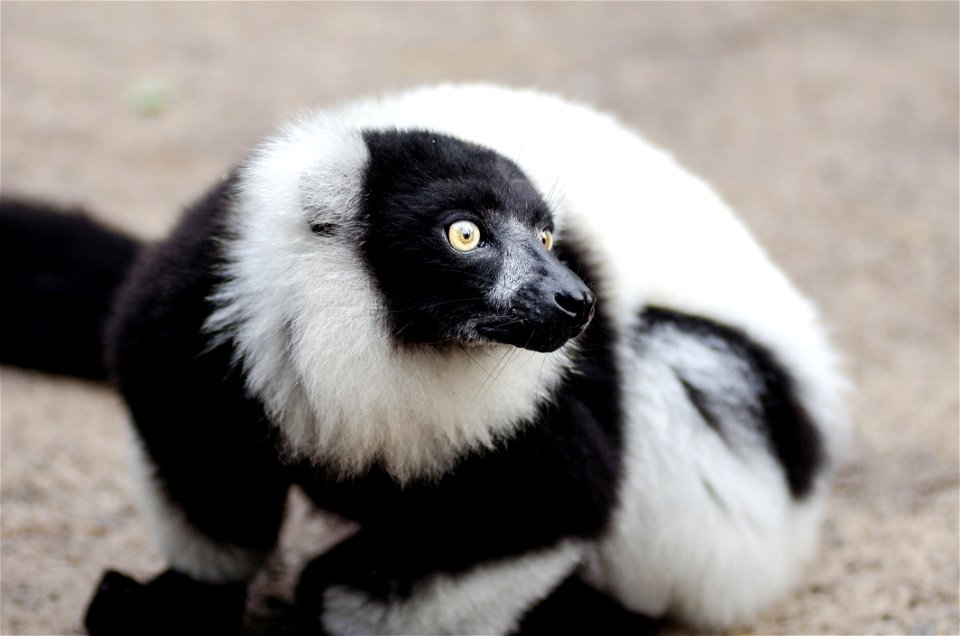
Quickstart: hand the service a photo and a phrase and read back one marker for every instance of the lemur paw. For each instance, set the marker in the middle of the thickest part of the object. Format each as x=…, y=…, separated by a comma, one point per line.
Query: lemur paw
x=170, y=603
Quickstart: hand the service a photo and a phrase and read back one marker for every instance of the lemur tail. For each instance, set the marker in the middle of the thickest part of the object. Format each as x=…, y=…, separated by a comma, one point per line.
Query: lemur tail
x=58, y=272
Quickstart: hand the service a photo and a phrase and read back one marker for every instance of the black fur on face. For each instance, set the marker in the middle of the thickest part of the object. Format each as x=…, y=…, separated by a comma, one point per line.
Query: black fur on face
x=508, y=289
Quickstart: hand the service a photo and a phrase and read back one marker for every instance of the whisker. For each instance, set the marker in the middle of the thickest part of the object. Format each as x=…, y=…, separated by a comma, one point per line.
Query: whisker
x=554, y=197
x=513, y=354
x=480, y=277
x=480, y=391
x=439, y=303
x=543, y=361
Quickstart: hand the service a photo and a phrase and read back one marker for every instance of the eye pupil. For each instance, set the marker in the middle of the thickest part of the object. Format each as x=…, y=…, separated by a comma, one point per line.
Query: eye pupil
x=464, y=236
x=546, y=237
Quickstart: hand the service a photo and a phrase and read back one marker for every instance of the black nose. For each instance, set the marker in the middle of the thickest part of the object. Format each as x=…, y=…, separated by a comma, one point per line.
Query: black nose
x=577, y=304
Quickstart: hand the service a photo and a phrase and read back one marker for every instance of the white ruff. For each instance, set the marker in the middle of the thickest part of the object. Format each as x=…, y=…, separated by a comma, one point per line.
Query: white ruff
x=311, y=334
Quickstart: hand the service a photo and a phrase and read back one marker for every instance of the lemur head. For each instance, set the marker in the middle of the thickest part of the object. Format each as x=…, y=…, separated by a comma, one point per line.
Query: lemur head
x=375, y=281
x=460, y=244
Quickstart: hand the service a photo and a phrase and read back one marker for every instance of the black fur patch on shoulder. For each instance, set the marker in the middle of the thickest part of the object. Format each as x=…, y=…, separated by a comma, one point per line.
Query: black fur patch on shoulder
x=793, y=437
x=211, y=445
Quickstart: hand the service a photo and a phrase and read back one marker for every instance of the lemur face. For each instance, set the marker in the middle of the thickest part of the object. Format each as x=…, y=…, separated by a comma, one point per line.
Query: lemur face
x=460, y=245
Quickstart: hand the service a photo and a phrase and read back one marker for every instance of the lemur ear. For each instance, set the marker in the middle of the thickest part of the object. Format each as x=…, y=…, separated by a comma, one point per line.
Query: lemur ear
x=324, y=210
x=327, y=196
x=322, y=227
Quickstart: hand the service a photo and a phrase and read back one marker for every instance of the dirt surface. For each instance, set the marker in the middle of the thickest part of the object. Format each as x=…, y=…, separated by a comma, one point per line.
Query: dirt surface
x=832, y=128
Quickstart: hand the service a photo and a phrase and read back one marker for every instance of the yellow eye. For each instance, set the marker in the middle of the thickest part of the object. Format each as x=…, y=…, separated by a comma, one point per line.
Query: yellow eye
x=546, y=237
x=464, y=236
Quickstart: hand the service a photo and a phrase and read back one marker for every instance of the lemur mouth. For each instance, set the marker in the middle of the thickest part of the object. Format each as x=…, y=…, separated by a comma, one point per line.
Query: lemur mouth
x=544, y=322
x=540, y=337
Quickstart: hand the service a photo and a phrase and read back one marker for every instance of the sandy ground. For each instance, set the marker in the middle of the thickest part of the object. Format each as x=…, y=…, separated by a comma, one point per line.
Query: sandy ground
x=833, y=128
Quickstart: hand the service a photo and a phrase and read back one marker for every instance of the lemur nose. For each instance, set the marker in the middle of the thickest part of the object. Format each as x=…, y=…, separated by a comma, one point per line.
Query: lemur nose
x=577, y=304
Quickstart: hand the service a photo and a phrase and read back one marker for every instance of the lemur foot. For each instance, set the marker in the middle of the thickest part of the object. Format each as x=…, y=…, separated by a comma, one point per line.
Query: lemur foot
x=171, y=603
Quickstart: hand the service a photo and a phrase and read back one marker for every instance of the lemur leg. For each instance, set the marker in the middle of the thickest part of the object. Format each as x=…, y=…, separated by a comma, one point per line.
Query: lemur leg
x=171, y=603
x=349, y=591
x=214, y=503
x=213, y=487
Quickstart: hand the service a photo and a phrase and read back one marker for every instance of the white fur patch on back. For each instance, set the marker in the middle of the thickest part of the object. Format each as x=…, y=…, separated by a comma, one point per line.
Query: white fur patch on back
x=706, y=530
x=312, y=335
x=488, y=599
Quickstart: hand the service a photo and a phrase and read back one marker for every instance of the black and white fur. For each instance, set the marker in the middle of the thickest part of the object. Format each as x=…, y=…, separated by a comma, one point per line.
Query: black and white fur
x=509, y=469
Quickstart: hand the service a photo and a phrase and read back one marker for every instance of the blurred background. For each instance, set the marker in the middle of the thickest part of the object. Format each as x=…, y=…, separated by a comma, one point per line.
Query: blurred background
x=831, y=127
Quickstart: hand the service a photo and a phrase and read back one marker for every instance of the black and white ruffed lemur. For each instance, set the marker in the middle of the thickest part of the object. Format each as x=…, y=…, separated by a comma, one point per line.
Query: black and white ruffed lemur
x=545, y=370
